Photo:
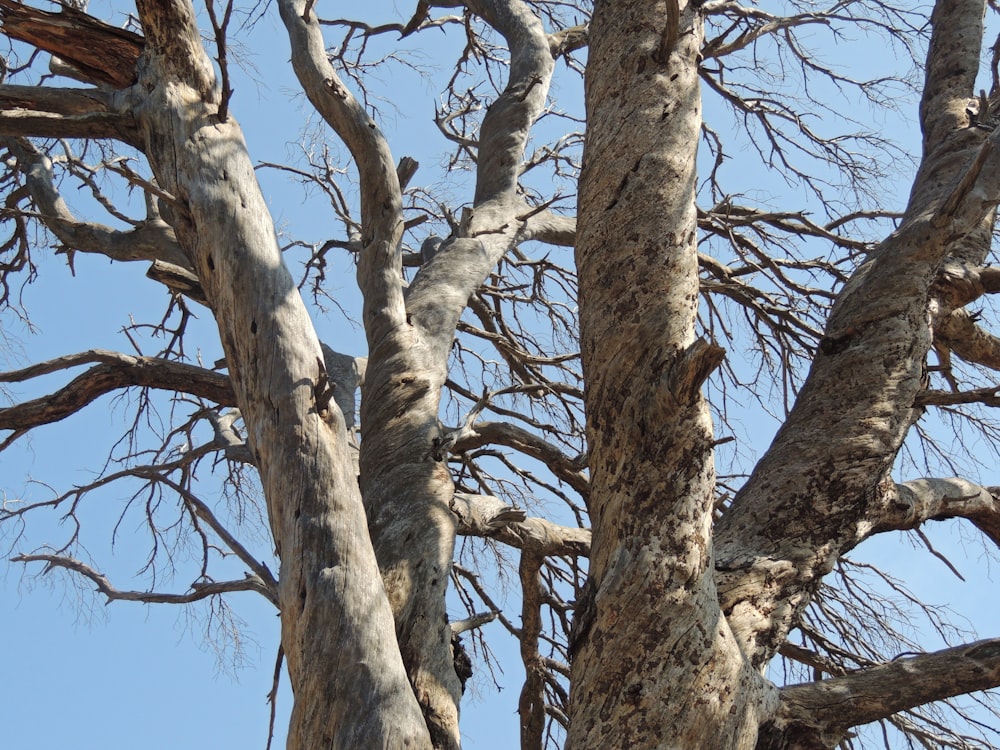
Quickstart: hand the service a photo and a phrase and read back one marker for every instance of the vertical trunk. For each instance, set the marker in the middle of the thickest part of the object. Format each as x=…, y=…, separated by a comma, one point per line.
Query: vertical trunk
x=333, y=607
x=657, y=659
x=406, y=488
x=410, y=521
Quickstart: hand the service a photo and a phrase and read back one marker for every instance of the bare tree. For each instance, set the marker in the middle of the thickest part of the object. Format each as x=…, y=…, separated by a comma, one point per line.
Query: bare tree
x=549, y=413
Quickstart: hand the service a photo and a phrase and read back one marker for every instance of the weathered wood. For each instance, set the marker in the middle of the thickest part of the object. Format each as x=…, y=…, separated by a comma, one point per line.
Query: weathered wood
x=100, y=52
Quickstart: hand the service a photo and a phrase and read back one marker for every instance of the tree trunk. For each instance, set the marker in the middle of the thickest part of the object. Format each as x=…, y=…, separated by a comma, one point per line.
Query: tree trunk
x=657, y=665
x=334, y=610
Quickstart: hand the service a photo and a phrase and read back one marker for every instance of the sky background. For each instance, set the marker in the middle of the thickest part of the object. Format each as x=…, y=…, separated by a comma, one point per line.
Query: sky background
x=81, y=674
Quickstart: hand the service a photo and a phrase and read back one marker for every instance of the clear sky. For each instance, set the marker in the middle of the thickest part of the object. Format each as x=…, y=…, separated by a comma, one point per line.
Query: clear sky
x=82, y=675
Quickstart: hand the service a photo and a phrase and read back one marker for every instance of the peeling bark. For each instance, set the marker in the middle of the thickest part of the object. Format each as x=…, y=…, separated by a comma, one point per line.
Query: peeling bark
x=100, y=52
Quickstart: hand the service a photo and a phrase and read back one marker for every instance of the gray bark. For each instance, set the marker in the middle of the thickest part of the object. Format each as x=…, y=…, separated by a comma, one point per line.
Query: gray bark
x=677, y=674
x=409, y=498
x=826, y=473
x=334, y=611
x=681, y=611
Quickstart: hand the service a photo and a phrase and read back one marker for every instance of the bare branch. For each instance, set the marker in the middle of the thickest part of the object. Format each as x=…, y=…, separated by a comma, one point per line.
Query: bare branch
x=62, y=113
x=471, y=623
x=220, y=28
x=506, y=125
x=960, y=333
x=199, y=589
x=103, y=53
x=152, y=239
x=178, y=280
x=116, y=371
x=912, y=503
x=531, y=704
x=830, y=707
x=989, y=396
x=502, y=433
x=381, y=202
x=484, y=515
x=551, y=228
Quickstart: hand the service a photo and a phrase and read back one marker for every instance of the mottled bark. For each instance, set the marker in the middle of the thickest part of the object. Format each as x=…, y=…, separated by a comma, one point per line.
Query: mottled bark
x=813, y=494
x=409, y=498
x=675, y=626
x=656, y=666
x=910, y=504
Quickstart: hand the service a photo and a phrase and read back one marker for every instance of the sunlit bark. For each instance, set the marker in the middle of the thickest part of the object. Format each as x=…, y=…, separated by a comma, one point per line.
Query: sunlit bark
x=689, y=595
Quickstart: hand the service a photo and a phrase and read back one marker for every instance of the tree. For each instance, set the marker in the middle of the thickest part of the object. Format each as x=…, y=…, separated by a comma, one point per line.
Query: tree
x=654, y=600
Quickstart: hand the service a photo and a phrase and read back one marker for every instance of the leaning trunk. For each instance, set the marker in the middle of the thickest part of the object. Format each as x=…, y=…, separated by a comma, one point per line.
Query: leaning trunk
x=334, y=610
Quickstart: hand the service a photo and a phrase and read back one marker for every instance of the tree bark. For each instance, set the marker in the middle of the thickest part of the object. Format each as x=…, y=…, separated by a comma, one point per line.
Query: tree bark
x=334, y=610
x=818, y=714
x=824, y=481
x=674, y=626
x=657, y=665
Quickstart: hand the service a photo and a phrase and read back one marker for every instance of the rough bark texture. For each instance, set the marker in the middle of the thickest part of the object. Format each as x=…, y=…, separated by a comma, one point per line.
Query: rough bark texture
x=407, y=499
x=685, y=604
x=98, y=51
x=677, y=675
x=812, y=495
x=819, y=714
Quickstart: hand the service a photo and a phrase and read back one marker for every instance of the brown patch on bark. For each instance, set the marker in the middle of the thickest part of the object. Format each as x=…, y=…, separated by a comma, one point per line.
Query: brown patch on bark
x=101, y=52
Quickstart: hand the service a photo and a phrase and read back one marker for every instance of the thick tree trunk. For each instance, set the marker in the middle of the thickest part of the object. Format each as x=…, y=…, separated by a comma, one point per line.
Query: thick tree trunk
x=333, y=607
x=656, y=666
x=675, y=625
x=824, y=481
x=407, y=496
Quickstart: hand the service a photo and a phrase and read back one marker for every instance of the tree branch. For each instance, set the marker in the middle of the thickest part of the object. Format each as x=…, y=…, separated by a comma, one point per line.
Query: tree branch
x=952, y=67
x=49, y=112
x=508, y=120
x=830, y=707
x=379, y=270
x=116, y=371
x=990, y=396
x=178, y=279
x=531, y=702
x=199, y=589
x=488, y=516
x=879, y=316
x=100, y=52
x=961, y=335
x=520, y=439
x=260, y=570
x=152, y=239
x=910, y=504
x=552, y=228
x=441, y=289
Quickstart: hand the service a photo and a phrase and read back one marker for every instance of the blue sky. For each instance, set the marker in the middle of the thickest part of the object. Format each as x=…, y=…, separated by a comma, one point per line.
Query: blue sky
x=79, y=674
